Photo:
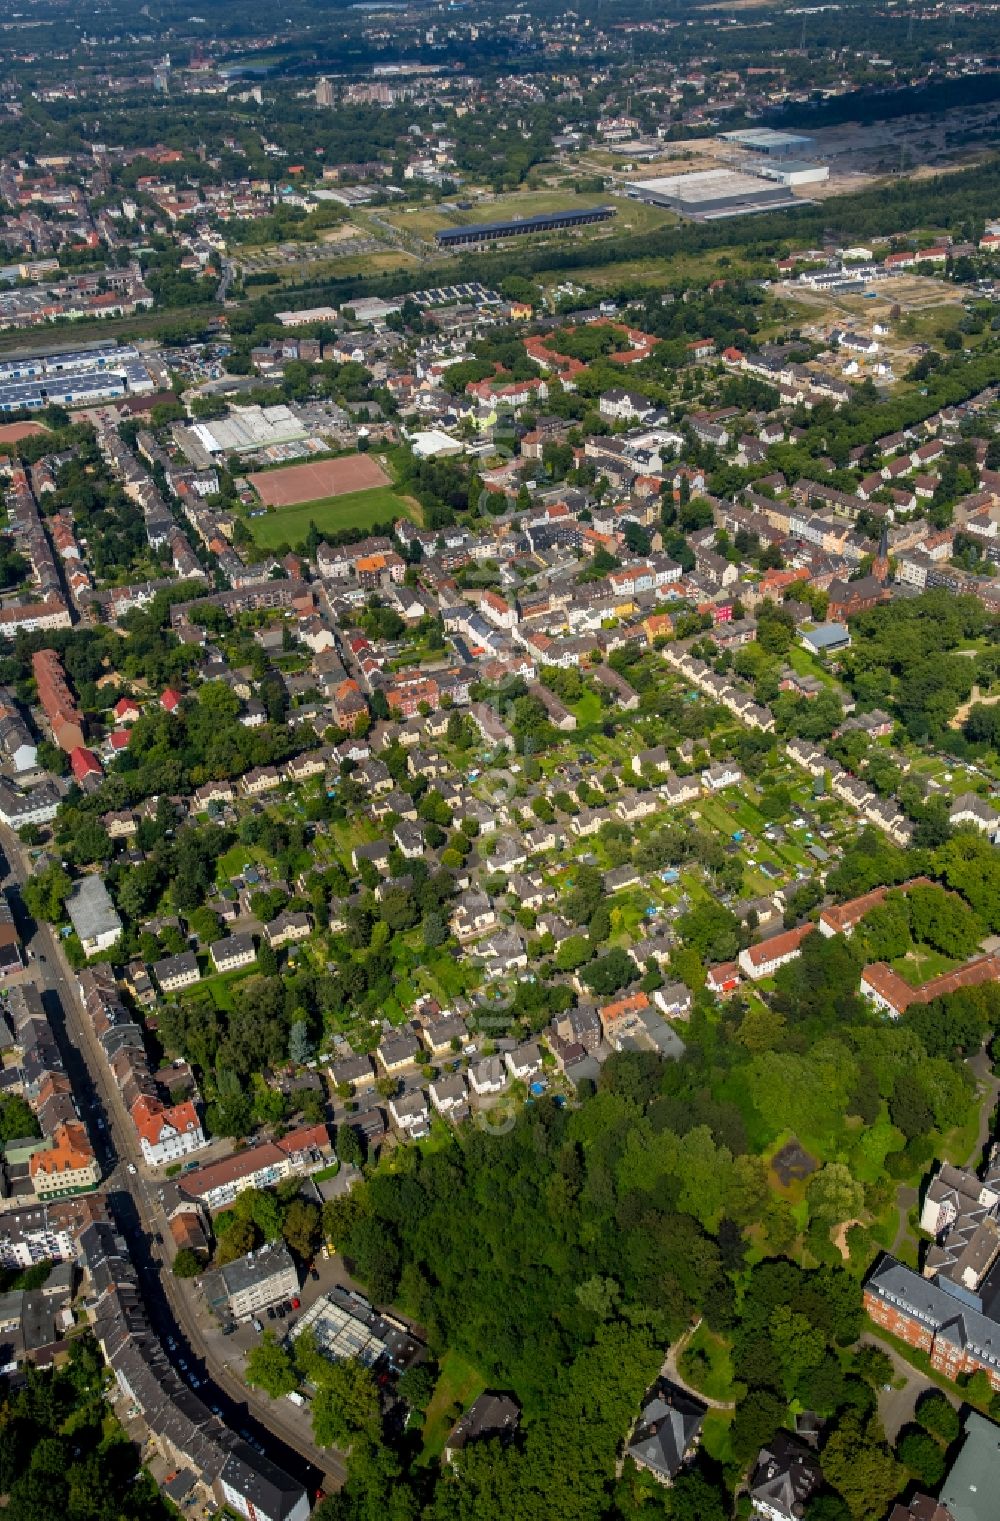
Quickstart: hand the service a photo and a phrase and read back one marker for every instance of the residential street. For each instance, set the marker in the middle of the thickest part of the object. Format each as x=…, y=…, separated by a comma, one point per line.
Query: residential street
x=171, y=1303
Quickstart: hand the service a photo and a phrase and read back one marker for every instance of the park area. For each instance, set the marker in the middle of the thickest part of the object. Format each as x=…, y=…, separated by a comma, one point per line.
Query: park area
x=296, y=484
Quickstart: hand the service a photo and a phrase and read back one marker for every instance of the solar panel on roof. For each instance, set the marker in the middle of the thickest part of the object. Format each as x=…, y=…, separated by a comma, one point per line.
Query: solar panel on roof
x=540, y=223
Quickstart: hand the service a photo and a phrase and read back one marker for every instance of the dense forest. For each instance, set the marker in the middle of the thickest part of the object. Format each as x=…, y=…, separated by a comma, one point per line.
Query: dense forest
x=563, y=1257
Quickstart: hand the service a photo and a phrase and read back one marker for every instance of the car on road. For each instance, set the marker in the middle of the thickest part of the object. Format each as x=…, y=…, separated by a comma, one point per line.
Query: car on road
x=314, y=1274
x=256, y=1324
x=132, y=1169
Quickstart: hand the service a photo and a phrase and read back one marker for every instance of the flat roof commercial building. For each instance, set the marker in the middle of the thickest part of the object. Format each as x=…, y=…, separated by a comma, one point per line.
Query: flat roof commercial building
x=246, y=429
x=344, y=1324
x=795, y=171
x=80, y=377
x=767, y=141
x=93, y=916
x=252, y=1283
x=970, y=1489
x=549, y=221
x=711, y=194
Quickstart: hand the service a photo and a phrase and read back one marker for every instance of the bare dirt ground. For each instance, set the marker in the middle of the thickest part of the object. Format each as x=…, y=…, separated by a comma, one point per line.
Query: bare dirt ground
x=840, y=1238
x=311, y=483
x=962, y=713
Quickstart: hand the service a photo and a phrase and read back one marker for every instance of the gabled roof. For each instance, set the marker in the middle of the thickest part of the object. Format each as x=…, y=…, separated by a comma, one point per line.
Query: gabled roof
x=151, y=1118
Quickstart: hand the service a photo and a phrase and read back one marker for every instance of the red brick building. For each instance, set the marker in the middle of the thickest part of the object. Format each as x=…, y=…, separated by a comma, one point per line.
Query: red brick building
x=956, y=1333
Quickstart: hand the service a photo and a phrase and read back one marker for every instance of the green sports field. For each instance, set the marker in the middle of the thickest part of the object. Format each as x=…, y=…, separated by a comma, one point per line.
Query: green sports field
x=356, y=509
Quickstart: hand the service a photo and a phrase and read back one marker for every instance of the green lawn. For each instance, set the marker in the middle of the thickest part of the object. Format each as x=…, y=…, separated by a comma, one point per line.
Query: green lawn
x=922, y=963
x=806, y=664
x=223, y=986
x=355, y=509
x=716, y=1435
x=588, y=710
x=425, y=221
x=707, y=1366
x=236, y=860
x=459, y=1383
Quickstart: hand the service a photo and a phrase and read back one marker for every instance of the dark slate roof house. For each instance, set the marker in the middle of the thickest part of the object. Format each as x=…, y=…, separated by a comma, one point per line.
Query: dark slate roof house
x=666, y=1431
x=786, y=1476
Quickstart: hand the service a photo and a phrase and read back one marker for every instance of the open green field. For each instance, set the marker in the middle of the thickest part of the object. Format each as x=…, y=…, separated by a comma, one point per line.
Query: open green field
x=355, y=509
x=425, y=221
x=698, y=268
x=303, y=271
x=223, y=986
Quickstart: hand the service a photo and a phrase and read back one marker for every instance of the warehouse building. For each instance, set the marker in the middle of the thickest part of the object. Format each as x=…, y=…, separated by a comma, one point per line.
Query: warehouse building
x=793, y=172
x=712, y=194
x=766, y=141
x=74, y=378
x=552, y=221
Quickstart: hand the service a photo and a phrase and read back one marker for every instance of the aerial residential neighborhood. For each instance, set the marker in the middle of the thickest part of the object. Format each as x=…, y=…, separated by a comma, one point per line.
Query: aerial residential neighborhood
x=500, y=763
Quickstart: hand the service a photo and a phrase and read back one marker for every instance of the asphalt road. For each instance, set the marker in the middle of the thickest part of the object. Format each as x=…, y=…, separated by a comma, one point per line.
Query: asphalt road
x=896, y=1406
x=134, y=1199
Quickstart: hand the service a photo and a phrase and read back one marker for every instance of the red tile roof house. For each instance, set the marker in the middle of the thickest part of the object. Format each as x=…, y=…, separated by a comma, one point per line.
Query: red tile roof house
x=764, y=960
x=126, y=710
x=724, y=978
x=84, y=763
x=166, y=1133
x=887, y=990
x=842, y=918
x=623, y=1009
x=170, y=700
